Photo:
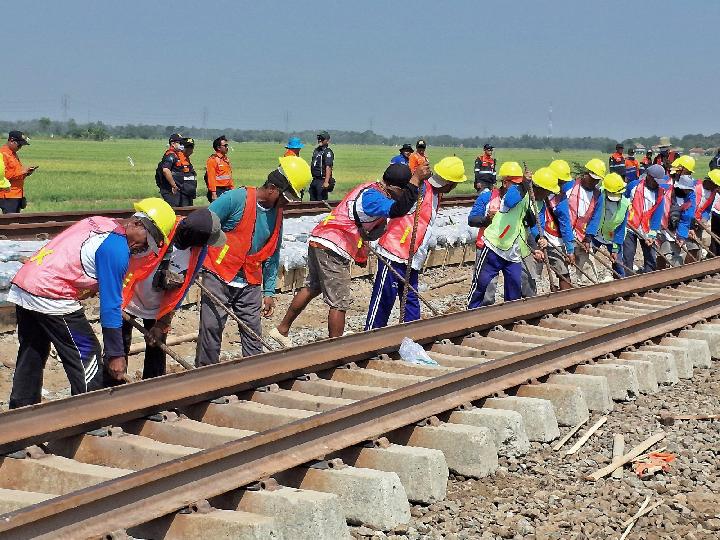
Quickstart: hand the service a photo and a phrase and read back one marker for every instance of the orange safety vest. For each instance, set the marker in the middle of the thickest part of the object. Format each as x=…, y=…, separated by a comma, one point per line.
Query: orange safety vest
x=580, y=223
x=396, y=239
x=141, y=269
x=227, y=261
x=637, y=216
x=218, y=172
x=493, y=206
x=13, y=172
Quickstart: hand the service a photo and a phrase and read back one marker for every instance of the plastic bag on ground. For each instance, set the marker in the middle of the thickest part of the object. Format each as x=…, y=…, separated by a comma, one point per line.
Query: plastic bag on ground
x=414, y=353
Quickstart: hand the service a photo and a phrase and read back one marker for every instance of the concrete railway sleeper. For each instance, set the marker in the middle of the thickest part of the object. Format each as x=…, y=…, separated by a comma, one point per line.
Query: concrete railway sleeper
x=302, y=452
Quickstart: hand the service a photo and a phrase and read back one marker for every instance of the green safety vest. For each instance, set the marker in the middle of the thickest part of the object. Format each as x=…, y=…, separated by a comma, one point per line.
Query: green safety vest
x=507, y=226
x=607, y=227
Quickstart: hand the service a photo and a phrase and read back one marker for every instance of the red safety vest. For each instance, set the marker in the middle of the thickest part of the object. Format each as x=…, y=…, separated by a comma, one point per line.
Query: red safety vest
x=493, y=206
x=56, y=270
x=396, y=239
x=339, y=227
x=580, y=223
x=551, y=227
x=637, y=217
x=227, y=261
x=142, y=269
x=668, y=202
x=701, y=207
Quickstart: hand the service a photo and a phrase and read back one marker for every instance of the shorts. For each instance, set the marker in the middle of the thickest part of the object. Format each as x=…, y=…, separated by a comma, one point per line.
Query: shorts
x=556, y=258
x=329, y=273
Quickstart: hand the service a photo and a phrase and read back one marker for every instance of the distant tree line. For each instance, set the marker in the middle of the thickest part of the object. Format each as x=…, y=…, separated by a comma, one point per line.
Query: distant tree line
x=99, y=131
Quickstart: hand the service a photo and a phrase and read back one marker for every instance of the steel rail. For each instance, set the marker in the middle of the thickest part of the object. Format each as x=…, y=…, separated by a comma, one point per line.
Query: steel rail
x=25, y=426
x=141, y=496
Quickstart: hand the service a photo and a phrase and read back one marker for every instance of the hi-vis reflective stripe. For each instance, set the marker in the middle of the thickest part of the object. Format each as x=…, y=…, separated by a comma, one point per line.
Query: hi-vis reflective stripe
x=360, y=243
x=127, y=279
x=405, y=235
x=223, y=177
x=505, y=230
x=328, y=218
x=222, y=254
x=40, y=255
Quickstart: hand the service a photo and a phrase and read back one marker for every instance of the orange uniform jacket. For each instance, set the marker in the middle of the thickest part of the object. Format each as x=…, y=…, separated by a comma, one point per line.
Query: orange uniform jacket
x=14, y=173
x=219, y=172
x=416, y=160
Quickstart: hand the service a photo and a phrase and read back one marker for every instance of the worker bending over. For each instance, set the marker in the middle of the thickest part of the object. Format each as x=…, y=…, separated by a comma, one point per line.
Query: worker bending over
x=609, y=230
x=242, y=273
x=342, y=237
x=155, y=286
x=706, y=198
x=91, y=256
x=394, y=246
x=677, y=219
x=647, y=203
x=583, y=201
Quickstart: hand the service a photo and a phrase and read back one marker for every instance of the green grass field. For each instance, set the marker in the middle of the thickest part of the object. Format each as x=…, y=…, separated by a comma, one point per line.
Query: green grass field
x=85, y=175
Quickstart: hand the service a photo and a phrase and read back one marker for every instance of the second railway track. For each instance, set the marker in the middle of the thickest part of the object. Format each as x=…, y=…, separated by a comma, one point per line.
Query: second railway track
x=506, y=375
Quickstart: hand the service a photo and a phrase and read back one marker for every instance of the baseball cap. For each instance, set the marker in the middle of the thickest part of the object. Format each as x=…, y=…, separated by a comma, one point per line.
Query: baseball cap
x=19, y=137
x=421, y=144
x=619, y=145
x=276, y=178
x=656, y=171
x=488, y=146
x=188, y=141
x=397, y=174
x=175, y=137
x=201, y=227
x=323, y=136
x=406, y=148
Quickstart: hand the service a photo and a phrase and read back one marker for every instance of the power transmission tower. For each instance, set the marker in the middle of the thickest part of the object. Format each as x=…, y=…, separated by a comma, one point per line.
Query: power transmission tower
x=550, y=126
x=287, y=122
x=204, y=122
x=64, y=99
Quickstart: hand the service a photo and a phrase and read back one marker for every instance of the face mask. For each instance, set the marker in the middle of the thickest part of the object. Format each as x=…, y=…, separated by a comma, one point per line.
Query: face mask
x=614, y=198
x=181, y=147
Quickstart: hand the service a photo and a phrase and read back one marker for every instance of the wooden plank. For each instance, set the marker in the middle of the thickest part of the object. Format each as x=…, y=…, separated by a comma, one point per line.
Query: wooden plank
x=627, y=458
x=617, y=451
x=582, y=440
x=570, y=433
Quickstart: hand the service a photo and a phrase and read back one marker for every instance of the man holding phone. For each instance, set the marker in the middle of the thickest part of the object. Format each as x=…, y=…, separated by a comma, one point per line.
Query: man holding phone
x=12, y=199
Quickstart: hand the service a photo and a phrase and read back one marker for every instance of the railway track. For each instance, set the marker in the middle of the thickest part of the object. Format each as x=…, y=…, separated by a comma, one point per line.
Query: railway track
x=32, y=226
x=297, y=443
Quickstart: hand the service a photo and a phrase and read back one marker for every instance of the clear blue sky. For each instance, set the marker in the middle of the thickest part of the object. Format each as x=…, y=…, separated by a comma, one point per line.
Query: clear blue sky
x=615, y=68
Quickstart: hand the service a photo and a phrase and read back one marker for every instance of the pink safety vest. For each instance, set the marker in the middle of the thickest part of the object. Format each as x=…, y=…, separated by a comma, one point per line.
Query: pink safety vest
x=637, y=216
x=56, y=271
x=397, y=237
x=340, y=229
x=668, y=203
x=580, y=223
x=493, y=206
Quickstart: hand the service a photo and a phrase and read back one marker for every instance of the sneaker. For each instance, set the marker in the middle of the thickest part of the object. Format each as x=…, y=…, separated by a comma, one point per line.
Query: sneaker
x=285, y=341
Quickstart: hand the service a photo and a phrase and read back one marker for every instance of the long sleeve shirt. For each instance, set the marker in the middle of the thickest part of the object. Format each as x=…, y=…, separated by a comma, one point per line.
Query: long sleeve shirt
x=478, y=212
x=687, y=207
x=562, y=217
x=649, y=200
x=219, y=172
x=607, y=209
x=14, y=174
x=229, y=207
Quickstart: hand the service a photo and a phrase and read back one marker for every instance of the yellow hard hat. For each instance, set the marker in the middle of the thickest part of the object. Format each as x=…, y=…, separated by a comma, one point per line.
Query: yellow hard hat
x=687, y=162
x=546, y=178
x=613, y=183
x=4, y=182
x=510, y=168
x=596, y=167
x=714, y=176
x=562, y=169
x=451, y=169
x=159, y=212
x=297, y=172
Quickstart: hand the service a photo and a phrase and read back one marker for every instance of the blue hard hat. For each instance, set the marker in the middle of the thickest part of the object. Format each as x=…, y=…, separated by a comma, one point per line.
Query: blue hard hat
x=294, y=143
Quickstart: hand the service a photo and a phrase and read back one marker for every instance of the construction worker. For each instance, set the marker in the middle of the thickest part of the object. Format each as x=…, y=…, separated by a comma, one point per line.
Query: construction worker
x=677, y=219
x=562, y=169
x=617, y=160
x=485, y=175
x=715, y=161
x=343, y=236
x=665, y=156
x=706, y=191
x=632, y=167
x=93, y=255
x=322, y=163
x=500, y=244
x=645, y=162
x=293, y=147
x=242, y=274
x=554, y=230
x=394, y=245
x=155, y=286
x=12, y=196
x=403, y=157
x=647, y=203
x=584, y=203
x=175, y=175
x=418, y=157
x=610, y=229
x=218, y=170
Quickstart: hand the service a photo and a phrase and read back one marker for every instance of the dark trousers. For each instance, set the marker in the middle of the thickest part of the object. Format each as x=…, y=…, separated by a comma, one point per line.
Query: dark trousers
x=245, y=302
x=10, y=206
x=155, y=360
x=386, y=289
x=628, y=253
x=176, y=200
x=317, y=191
x=76, y=345
x=715, y=228
x=488, y=265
